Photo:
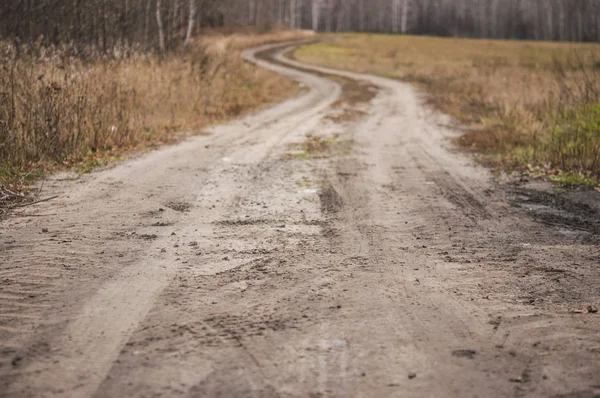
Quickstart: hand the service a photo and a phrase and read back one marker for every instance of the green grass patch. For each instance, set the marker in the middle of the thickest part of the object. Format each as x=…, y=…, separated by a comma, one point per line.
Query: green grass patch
x=570, y=180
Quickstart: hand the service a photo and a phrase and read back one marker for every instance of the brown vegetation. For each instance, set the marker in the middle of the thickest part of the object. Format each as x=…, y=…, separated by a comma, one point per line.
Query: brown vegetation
x=531, y=105
x=57, y=109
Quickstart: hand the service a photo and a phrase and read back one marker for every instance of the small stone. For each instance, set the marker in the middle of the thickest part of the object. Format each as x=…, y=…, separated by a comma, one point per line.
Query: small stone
x=523, y=378
x=45, y=230
x=592, y=309
x=412, y=375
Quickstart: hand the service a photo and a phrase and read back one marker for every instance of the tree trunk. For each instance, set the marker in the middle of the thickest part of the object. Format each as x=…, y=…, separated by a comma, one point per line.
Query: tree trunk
x=395, y=13
x=293, y=10
x=252, y=12
x=147, y=24
x=329, y=15
x=281, y=13
x=191, y=20
x=104, y=35
x=549, y=21
x=404, y=17
x=316, y=14
x=361, y=16
x=161, y=32
x=561, y=20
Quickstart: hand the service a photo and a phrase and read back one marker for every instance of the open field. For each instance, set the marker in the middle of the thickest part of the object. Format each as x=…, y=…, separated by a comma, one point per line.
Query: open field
x=63, y=108
x=532, y=106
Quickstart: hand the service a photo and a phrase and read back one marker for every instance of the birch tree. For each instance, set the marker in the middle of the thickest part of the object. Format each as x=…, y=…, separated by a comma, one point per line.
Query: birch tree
x=316, y=13
x=161, y=31
x=191, y=22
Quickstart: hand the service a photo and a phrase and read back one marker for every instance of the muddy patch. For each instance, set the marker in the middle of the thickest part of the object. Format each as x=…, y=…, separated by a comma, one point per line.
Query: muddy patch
x=356, y=93
x=459, y=196
x=559, y=209
x=470, y=354
x=331, y=201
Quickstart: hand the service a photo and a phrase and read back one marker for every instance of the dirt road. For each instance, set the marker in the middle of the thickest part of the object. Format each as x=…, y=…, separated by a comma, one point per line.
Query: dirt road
x=368, y=258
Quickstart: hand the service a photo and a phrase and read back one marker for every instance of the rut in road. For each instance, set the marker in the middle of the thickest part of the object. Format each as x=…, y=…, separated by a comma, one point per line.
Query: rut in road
x=242, y=264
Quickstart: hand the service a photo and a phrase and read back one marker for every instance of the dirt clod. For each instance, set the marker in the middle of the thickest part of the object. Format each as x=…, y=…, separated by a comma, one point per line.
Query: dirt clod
x=179, y=206
x=464, y=353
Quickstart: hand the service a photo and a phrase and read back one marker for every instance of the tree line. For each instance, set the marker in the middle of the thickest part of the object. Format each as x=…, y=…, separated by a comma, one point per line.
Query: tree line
x=169, y=24
x=561, y=20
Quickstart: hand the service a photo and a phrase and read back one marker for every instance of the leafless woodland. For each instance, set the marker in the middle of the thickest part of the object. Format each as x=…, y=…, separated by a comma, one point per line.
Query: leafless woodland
x=169, y=24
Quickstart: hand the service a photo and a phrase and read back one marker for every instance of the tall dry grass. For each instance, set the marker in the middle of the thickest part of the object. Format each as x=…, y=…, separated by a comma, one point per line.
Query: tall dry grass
x=529, y=105
x=61, y=106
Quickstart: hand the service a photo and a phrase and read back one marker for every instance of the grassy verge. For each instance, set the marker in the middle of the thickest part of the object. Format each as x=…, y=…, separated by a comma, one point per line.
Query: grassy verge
x=531, y=106
x=64, y=108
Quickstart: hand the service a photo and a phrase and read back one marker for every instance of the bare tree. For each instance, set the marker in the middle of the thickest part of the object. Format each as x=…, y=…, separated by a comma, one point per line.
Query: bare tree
x=293, y=13
x=161, y=31
x=395, y=16
x=404, y=17
x=316, y=13
x=329, y=15
x=108, y=23
x=191, y=22
x=147, y=24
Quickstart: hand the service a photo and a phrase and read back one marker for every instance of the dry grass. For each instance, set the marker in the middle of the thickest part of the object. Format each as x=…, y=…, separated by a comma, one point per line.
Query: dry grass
x=60, y=109
x=530, y=105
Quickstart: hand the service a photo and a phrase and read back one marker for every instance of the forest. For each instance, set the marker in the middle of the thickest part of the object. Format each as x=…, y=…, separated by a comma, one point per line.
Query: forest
x=167, y=24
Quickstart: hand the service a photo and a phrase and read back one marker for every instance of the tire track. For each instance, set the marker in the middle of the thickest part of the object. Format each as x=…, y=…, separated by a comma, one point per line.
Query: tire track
x=107, y=303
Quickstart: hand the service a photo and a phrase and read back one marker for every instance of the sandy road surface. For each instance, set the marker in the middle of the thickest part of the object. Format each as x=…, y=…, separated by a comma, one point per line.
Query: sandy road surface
x=238, y=264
